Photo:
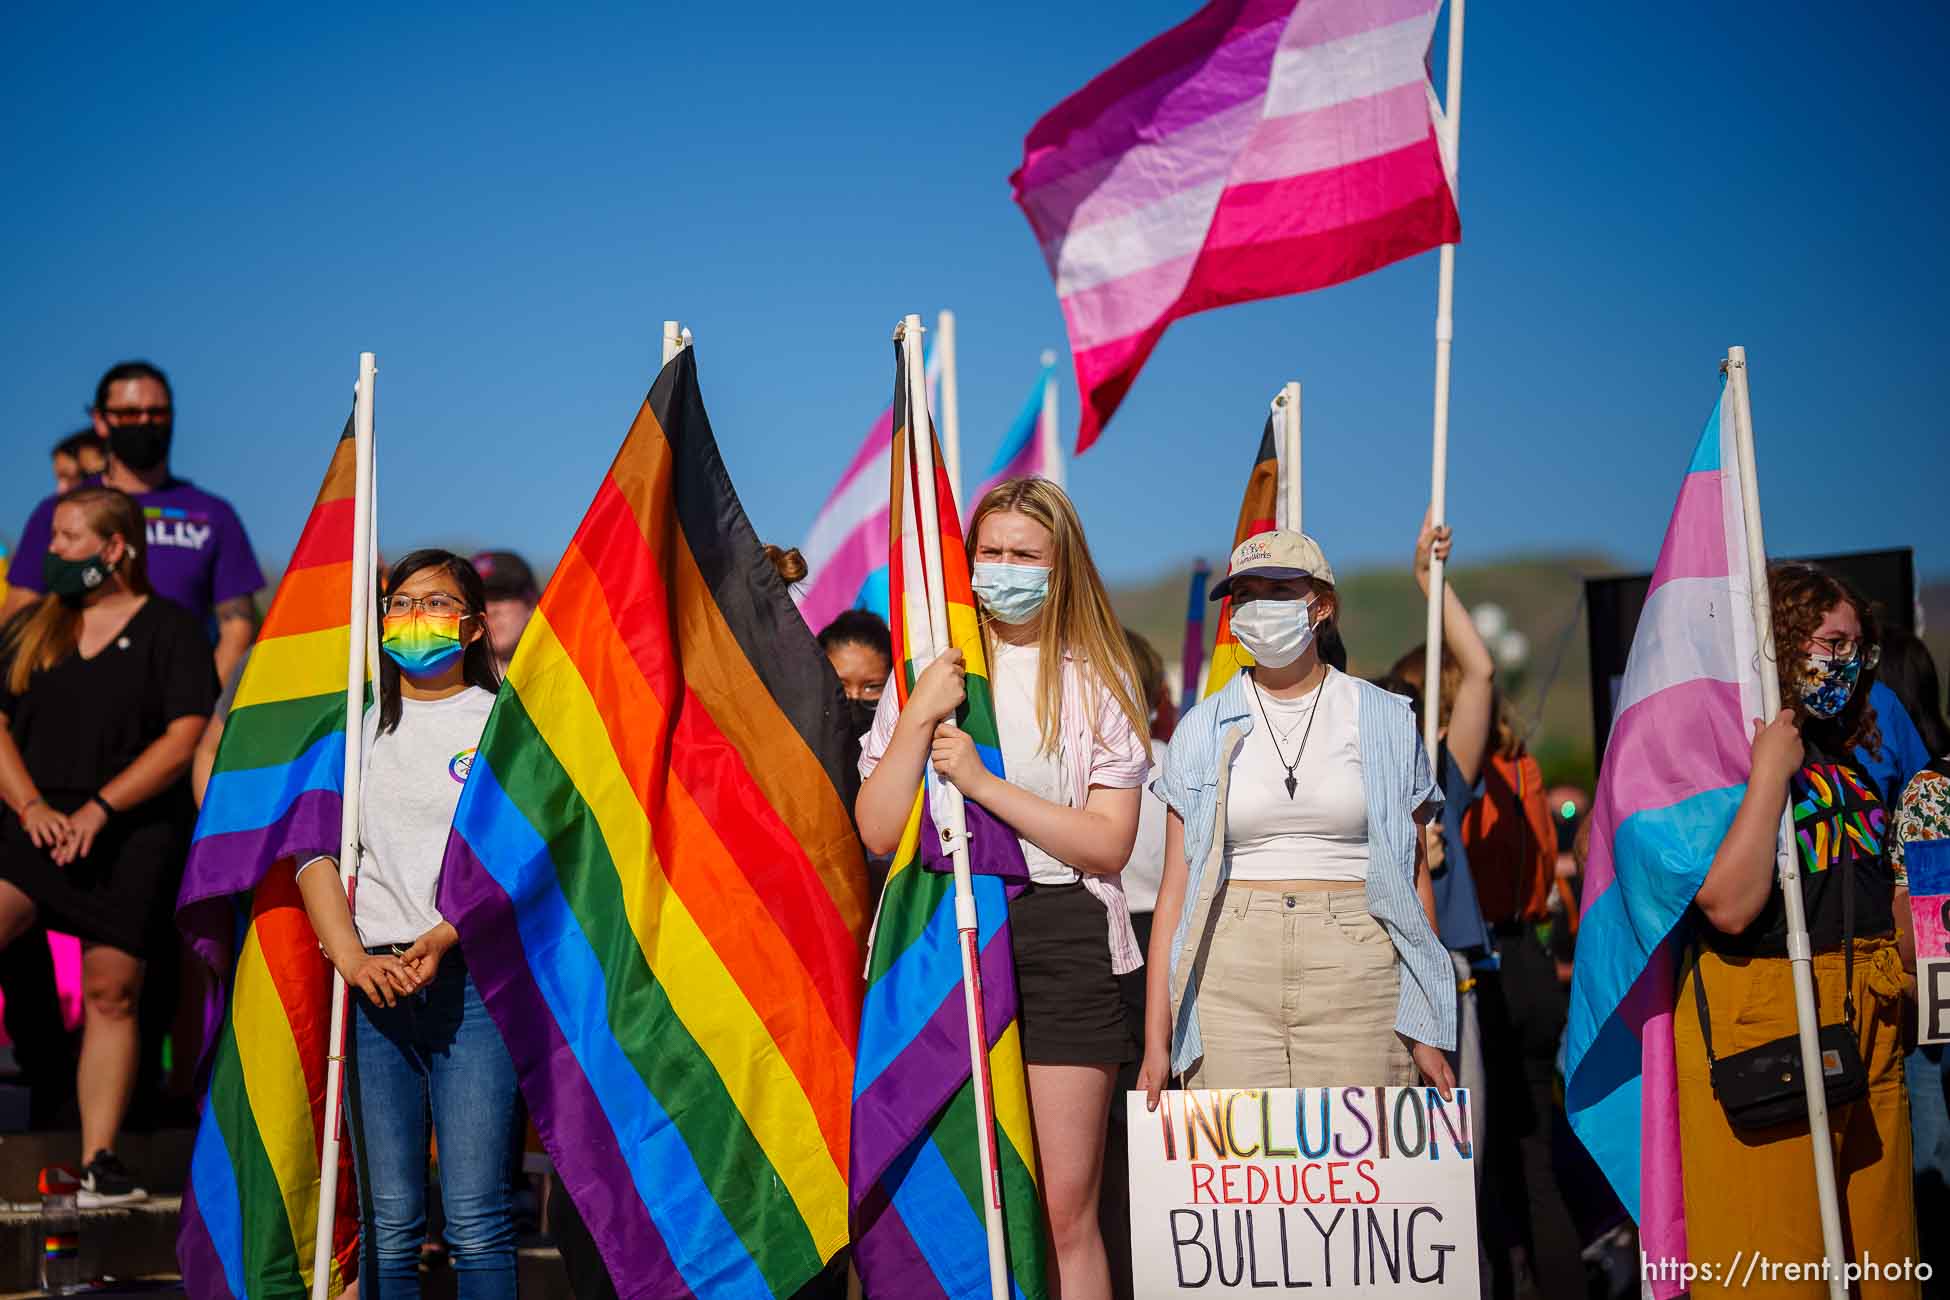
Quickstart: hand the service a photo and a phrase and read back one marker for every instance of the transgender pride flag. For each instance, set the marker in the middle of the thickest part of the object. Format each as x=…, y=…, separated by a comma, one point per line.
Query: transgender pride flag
x=1673, y=774
x=1024, y=452
x=1259, y=148
x=846, y=551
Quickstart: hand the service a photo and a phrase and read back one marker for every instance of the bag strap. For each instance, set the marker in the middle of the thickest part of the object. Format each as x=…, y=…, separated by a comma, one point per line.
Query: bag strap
x=1848, y=942
x=1699, y=995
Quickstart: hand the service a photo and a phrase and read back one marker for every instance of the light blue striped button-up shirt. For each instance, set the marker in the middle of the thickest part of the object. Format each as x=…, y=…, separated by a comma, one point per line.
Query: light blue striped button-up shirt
x=1395, y=772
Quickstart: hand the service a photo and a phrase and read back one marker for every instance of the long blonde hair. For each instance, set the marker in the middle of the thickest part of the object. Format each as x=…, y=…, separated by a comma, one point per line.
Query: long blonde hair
x=44, y=637
x=1077, y=617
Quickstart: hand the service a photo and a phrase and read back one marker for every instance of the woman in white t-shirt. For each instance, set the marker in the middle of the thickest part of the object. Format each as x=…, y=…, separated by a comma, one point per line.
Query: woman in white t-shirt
x=422, y=1043
x=1293, y=943
x=1072, y=727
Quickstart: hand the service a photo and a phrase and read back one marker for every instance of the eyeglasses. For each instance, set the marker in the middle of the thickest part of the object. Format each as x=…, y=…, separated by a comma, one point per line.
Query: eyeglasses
x=136, y=414
x=439, y=605
x=1846, y=648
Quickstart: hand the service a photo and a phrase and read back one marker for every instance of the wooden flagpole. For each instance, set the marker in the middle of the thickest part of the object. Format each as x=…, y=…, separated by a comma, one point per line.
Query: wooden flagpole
x=1800, y=952
x=358, y=644
x=1445, y=333
x=674, y=341
x=946, y=803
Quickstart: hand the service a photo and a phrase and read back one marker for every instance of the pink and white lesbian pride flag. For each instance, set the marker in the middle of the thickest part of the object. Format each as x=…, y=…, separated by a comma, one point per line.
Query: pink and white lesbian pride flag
x=1260, y=148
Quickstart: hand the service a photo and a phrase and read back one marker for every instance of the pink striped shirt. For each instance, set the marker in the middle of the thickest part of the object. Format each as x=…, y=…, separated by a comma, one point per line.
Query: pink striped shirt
x=1100, y=748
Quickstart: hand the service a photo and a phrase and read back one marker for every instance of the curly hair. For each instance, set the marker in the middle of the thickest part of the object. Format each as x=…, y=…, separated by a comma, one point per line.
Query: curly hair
x=1802, y=597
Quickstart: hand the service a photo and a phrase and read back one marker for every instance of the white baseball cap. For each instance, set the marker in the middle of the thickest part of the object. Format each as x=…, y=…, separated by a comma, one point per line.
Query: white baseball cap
x=1280, y=553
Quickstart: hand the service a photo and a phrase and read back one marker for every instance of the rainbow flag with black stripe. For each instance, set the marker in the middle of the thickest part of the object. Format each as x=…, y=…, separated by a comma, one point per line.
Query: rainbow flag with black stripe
x=250, y=1209
x=918, y=1200
x=1258, y=512
x=658, y=887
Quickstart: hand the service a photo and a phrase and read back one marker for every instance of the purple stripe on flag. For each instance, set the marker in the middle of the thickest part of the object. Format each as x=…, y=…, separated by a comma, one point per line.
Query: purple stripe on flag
x=993, y=848
x=1696, y=539
x=884, y=1247
x=908, y=1093
x=565, y=1108
x=233, y=863
x=1220, y=57
x=196, y=1255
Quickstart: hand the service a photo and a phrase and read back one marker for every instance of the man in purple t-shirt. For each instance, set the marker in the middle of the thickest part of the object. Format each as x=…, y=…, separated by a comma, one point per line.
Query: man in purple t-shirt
x=198, y=556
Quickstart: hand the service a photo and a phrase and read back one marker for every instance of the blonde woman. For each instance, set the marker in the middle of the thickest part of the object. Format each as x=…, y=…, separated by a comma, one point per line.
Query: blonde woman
x=104, y=691
x=1074, y=744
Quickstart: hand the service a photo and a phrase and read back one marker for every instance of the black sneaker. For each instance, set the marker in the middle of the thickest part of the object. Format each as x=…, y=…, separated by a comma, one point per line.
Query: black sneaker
x=105, y=1180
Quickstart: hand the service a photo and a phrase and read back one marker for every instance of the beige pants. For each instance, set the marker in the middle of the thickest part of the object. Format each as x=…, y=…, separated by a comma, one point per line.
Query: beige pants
x=1299, y=991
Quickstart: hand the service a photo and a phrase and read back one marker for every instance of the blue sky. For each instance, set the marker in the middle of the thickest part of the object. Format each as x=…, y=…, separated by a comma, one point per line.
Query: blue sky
x=505, y=204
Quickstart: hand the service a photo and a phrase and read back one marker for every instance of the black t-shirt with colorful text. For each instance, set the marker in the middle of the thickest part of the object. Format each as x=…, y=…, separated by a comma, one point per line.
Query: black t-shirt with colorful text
x=1840, y=826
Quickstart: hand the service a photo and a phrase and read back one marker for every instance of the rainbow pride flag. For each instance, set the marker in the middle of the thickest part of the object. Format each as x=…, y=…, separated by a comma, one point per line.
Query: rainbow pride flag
x=658, y=887
x=250, y=1209
x=1258, y=512
x=1023, y=453
x=918, y=1216
x=1674, y=771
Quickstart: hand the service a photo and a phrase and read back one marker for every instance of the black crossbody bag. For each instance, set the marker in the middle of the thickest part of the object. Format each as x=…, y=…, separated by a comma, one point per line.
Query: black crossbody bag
x=1761, y=1087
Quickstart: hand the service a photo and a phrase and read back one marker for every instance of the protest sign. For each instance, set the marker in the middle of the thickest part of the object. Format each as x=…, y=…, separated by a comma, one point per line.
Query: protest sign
x=1928, y=862
x=1341, y=1192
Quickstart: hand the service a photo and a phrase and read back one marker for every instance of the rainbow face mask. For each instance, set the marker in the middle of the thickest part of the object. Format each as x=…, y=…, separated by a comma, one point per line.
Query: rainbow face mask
x=422, y=644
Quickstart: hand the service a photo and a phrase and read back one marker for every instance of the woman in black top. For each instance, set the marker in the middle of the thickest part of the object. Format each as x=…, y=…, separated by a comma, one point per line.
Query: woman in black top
x=1748, y=1188
x=104, y=689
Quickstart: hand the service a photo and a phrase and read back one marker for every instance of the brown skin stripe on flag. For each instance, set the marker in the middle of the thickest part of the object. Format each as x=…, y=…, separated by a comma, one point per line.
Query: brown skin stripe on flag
x=746, y=652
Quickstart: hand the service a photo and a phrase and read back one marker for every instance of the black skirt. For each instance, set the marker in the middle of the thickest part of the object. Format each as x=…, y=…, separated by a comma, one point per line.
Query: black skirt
x=1072, y=1008
x=123, y=893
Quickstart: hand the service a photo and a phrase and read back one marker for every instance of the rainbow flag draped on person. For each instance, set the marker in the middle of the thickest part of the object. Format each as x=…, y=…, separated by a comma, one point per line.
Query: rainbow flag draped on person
x=658, y=887
x=1258, y=512
x=918, y=1216
x=1674, y=770
x=250, y=1208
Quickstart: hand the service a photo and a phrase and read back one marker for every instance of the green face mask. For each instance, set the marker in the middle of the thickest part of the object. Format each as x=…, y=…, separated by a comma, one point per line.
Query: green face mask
x=73, y=579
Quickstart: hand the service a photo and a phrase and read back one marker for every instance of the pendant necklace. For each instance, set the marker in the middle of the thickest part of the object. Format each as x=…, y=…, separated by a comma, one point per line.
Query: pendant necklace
x=1292, y=782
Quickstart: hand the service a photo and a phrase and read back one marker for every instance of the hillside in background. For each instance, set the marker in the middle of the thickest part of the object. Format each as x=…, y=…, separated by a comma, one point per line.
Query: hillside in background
x=1382, y=615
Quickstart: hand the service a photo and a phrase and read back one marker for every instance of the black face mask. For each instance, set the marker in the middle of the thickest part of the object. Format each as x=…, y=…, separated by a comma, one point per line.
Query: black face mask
x=72, y=580
x=859, y=717
x=141, y=447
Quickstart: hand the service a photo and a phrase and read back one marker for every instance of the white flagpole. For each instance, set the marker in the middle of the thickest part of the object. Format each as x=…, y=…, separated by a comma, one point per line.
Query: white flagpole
x=1800, y=953
x=358, y=640
x=673, y=341
x=1445, y=333
x=950, y=819
x=944, y=346
x=1047, y=429
x=1287, y=506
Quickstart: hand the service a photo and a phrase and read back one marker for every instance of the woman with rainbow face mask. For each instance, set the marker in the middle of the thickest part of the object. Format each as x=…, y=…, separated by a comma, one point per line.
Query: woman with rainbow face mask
x=422, y=1043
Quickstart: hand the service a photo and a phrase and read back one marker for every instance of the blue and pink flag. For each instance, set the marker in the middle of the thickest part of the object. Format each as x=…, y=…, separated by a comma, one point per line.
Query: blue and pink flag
x=1024, y=452
x=846, y=551
x=1673, y=774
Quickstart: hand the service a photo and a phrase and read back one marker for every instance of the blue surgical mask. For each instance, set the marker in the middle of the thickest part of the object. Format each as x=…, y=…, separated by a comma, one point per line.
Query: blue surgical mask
x=1013, y=593
x=1274, y=632
x=1829, y=685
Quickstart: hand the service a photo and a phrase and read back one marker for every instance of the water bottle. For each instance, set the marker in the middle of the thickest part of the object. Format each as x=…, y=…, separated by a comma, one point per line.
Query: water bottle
x=60, y=1233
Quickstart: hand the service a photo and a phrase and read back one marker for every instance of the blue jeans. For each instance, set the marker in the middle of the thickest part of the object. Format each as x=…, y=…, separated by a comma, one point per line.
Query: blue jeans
x=435, y=1053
